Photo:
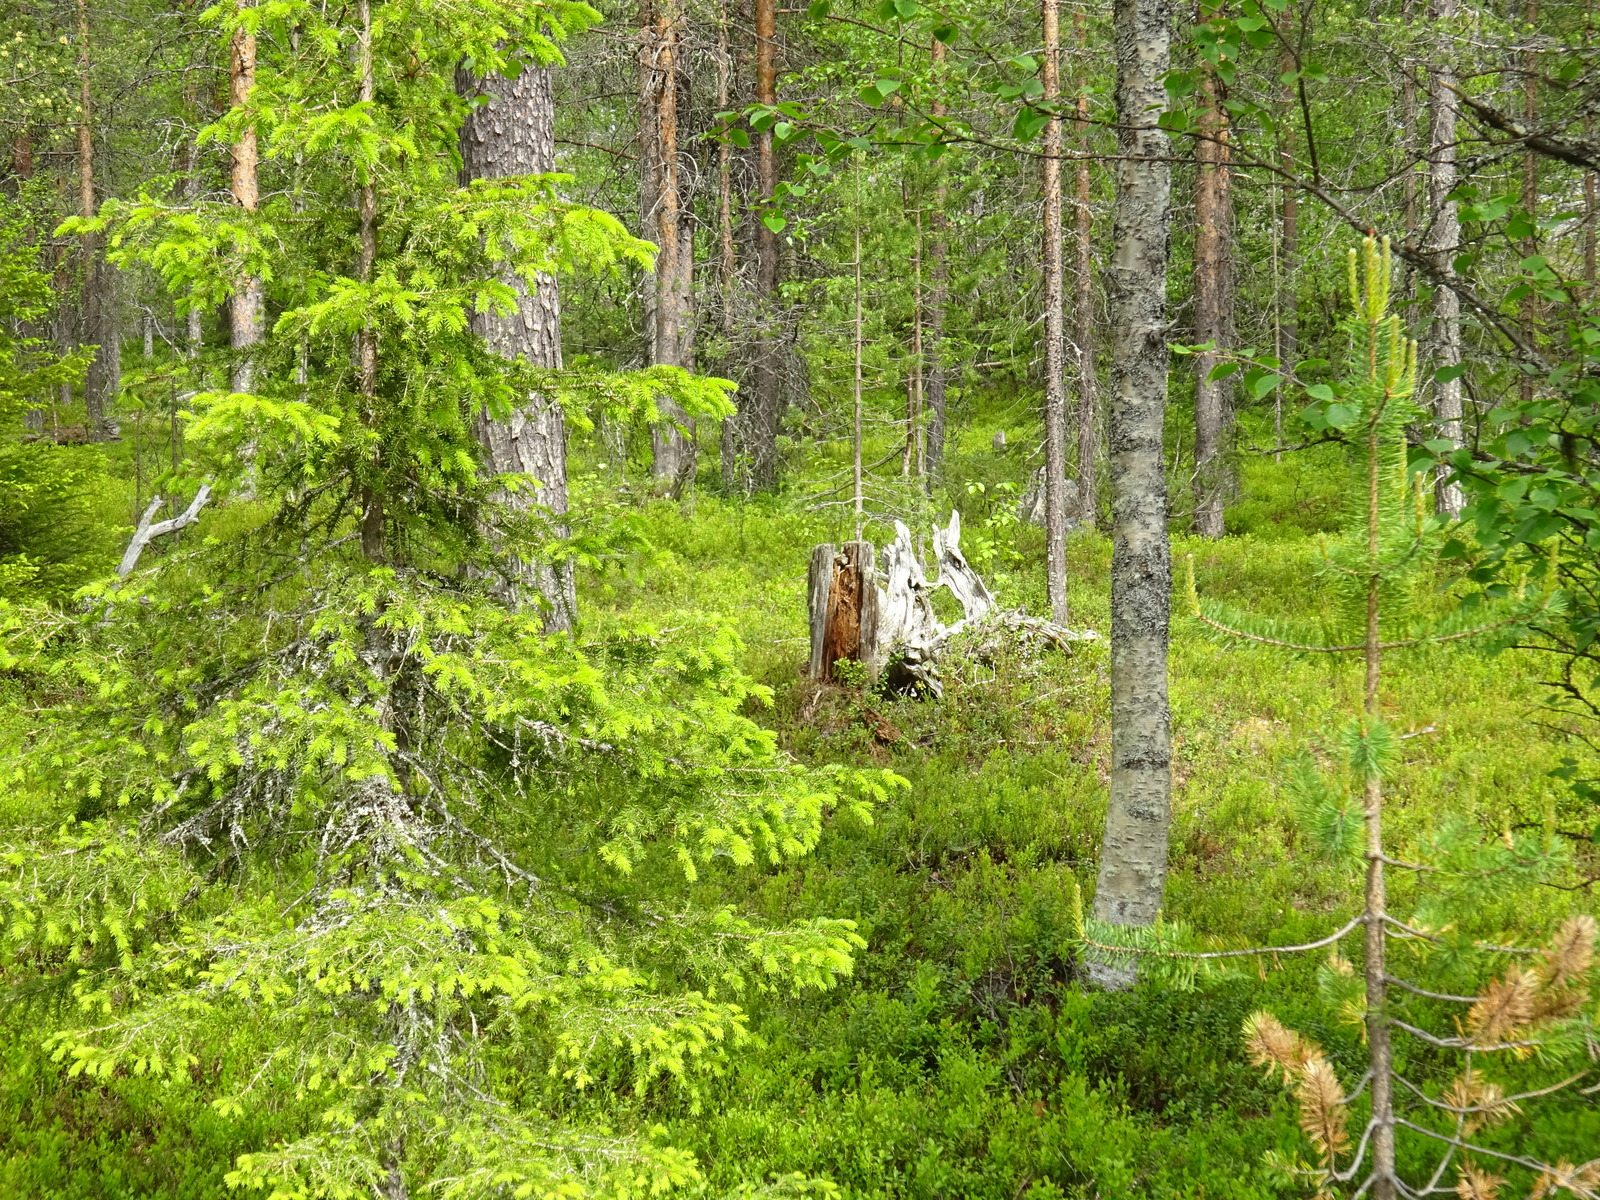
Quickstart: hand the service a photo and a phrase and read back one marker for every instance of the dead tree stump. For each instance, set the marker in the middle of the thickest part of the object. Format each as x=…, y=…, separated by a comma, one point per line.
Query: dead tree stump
x=887, y=620
x=843, y=596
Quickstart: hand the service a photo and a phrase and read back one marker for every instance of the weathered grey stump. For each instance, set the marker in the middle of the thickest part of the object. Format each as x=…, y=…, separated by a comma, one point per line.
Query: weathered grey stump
x=887, y=620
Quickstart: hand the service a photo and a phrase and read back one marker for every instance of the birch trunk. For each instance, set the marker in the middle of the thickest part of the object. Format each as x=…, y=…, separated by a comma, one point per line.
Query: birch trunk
x=1055, y=333
x=1133, y=861
x=1444, y=334
x=1083, y=305
x=514, y=134
x=246, y=303
x=1213, y=294
x=765, y=417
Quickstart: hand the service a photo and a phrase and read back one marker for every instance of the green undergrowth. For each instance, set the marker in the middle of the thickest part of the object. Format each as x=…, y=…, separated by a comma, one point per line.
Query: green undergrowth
x=963, y=1058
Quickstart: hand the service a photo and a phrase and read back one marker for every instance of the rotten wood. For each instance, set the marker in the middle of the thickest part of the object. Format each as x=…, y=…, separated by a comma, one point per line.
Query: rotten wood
x=885, y=619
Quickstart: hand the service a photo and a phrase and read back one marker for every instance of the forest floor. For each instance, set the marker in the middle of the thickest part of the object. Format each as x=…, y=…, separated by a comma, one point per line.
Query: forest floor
x=963, y=1059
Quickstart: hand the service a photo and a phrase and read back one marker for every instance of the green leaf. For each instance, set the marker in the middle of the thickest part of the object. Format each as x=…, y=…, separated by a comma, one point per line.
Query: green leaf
x=1261, y=383
x=1028, y=124
x=1319, y=391
x=775, y=221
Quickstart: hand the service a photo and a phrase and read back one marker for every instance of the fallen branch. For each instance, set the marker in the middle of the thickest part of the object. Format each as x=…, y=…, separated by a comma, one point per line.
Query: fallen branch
x=146, y=531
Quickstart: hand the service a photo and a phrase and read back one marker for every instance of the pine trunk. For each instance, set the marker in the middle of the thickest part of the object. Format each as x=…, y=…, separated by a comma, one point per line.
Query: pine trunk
x=1213, y=299
x=729, y=266
x=1055, y=332
x=514, y=134
x=662, y=214
x=765, y=416
x=939, y=289
x=246, y=306
x=1444, y=335
x=100, y=312
x=1083, y=306
x=1133, y=862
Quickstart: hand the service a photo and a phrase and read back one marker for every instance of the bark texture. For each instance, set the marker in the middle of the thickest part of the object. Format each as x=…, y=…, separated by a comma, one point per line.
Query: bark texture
x=100, y=310
x=246, y=305
x=1444, y=333
x=764, y=415
x=844, y=608
x=1133, y=862
x=1055, y=332
x=1213, y=300
x=664, y=217
x=939, y=287
x=728, y=261
x=1083, y=306
x=514, y=134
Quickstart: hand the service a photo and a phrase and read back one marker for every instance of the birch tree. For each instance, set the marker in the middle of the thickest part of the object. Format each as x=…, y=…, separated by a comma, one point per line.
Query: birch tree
x=1444, y=235
x=1133, y=857
x=1213, y=303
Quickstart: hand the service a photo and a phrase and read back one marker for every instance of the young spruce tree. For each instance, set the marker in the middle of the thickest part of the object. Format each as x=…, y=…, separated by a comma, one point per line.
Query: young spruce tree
x=329, y=819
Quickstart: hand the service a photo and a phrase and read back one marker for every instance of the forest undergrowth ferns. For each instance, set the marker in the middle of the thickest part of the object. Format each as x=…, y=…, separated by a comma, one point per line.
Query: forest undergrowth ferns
x=1496, y=1024
x=304, y=811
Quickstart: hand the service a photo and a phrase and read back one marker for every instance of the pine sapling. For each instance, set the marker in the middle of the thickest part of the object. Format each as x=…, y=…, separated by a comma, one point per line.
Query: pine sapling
x=1535, y=999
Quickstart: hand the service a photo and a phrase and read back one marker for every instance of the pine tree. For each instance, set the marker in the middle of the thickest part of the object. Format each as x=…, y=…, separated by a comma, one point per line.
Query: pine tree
x=1517, y=1000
